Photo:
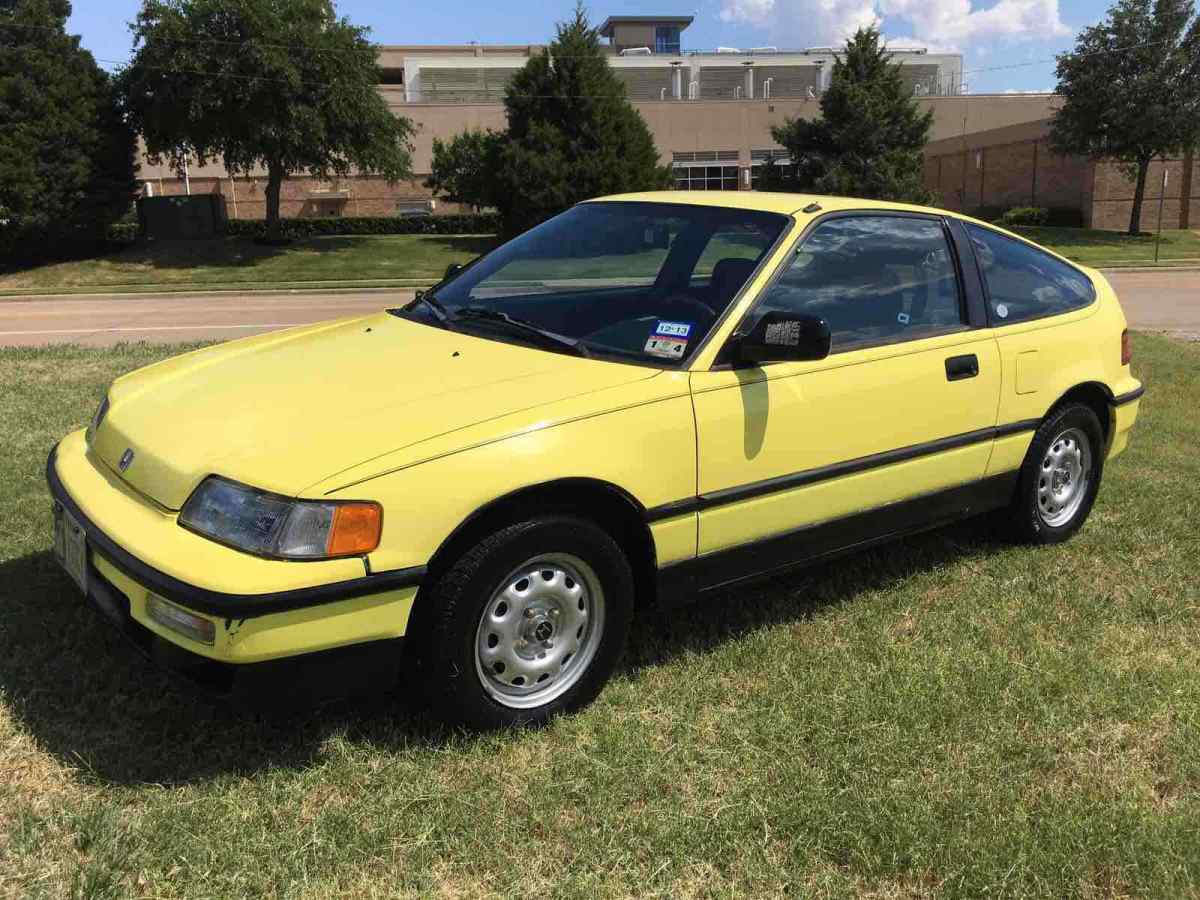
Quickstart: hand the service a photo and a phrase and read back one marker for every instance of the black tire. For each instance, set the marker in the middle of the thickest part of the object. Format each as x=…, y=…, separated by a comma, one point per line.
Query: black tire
x=442, y=644
x=1027, y=517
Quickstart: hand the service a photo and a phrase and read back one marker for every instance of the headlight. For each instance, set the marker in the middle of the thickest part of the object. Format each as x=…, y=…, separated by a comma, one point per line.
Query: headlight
x=94, y=426
x=270, y=525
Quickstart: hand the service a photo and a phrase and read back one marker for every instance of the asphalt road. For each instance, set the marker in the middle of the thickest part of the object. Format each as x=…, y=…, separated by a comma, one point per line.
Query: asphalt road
x=1160, y=301
x=176, y=318
x=1154, y=301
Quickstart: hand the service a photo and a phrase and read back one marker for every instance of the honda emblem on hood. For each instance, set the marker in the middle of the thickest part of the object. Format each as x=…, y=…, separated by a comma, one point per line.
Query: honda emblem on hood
x=126, y=459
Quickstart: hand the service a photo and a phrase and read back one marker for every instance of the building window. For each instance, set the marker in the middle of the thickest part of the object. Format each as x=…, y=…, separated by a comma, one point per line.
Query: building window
x=705, y=170
x=779, y=159
x=666, y=39
x=706, y=178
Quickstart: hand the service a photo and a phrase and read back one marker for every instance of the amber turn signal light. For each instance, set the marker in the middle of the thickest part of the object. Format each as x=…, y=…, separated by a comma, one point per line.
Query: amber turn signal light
x=1126, y=350
x=356, y=529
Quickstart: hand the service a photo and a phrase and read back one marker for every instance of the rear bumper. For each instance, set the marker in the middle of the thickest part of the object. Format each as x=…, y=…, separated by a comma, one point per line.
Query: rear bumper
x=250, y=628
x=1124, y=410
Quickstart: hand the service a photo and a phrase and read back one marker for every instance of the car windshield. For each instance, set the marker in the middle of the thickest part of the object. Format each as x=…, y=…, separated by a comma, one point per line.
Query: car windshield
x=637, y=281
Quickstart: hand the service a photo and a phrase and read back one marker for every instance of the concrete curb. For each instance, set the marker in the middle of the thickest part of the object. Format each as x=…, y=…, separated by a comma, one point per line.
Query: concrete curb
x=1186, y=267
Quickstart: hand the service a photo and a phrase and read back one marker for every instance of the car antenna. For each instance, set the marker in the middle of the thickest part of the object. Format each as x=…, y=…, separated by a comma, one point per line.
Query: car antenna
x=812, y=207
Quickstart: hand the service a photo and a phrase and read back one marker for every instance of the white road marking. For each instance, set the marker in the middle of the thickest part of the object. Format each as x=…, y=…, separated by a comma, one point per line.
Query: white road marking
x=204, y=327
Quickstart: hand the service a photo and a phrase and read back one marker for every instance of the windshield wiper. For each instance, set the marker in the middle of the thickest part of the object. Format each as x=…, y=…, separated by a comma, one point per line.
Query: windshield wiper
x=494, y=316
x=439, y=311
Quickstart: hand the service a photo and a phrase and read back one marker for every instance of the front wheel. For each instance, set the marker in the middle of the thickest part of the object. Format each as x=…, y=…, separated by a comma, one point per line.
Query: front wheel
x=1059, y=477
x=527, y=624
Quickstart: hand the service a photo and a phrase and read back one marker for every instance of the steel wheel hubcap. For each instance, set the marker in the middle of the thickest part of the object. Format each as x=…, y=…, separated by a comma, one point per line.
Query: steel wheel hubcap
x=539, y=631
x=1064, y=477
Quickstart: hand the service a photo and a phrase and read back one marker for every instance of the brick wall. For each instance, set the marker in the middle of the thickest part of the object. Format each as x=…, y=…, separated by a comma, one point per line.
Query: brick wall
x=1004, y=175
x=1112, y=201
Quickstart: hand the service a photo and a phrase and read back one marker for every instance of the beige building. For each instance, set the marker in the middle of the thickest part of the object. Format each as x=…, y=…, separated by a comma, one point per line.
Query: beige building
x=711, y=114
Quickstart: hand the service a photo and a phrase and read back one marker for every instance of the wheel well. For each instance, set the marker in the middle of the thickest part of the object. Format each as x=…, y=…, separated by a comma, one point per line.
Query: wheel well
x=1095, y=395
x=605, y=504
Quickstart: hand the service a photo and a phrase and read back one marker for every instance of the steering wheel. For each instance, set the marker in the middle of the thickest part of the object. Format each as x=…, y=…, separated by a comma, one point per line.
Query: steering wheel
x=697, y=307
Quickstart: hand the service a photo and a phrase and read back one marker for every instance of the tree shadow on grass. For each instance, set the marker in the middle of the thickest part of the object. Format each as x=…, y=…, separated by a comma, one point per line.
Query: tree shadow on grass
x=76, y=686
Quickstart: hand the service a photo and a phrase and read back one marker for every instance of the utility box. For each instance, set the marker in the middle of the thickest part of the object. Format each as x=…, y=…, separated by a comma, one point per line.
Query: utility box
x=184, y=217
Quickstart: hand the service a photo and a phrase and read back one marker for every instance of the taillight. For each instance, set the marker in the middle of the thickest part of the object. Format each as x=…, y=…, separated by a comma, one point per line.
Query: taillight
x=1126, y=350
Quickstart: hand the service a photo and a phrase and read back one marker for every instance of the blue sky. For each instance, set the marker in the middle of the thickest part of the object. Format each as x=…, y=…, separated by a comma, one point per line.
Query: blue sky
x=1006, y=43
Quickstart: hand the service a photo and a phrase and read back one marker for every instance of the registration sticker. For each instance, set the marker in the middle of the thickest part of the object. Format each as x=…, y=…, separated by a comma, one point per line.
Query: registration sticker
x=674, y=329
x=666, y=347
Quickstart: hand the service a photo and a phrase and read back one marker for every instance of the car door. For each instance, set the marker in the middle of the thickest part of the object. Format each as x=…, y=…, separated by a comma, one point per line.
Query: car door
x=902, y=408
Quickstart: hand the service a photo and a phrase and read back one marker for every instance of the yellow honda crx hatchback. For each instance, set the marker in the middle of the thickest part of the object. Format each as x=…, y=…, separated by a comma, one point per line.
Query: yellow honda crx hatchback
x=644, y=399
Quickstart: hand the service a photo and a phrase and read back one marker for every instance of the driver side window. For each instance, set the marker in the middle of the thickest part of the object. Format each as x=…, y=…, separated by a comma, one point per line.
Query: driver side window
x=874, y=280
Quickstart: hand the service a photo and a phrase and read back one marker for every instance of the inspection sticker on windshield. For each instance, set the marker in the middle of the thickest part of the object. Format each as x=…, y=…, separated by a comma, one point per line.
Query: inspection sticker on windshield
x=674, y=329
x=666, y=347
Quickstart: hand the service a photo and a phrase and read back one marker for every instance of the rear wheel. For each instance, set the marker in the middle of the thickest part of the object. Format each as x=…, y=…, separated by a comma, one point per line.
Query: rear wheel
x=1059, y=477
x=527, y=624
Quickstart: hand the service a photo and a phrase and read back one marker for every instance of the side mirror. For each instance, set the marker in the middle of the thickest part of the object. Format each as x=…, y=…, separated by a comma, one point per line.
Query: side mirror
x=782, y=337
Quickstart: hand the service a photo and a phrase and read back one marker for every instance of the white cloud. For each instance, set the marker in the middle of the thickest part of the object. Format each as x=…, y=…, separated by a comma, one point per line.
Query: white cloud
x=750, y=12
x=943, y=24
x=910, y=43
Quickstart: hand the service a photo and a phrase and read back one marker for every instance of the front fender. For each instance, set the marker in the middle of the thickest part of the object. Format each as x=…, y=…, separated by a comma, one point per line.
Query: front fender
x=646, y=450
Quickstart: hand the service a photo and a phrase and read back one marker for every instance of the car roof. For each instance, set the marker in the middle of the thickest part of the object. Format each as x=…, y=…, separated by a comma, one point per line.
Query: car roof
x=766, y=201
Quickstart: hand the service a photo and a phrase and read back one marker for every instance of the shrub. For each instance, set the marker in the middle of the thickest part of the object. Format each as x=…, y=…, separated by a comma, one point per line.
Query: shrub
x=81, y=244
x=1024, y=215
x=987, y=213
x=482, y=223
x=1065, y=217
x=122, y=234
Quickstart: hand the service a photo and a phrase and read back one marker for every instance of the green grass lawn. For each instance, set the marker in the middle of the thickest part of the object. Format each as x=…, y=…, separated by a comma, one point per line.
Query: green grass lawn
x=947, y=716
x=240, y=261
x=400, y=260
x=1112, y=248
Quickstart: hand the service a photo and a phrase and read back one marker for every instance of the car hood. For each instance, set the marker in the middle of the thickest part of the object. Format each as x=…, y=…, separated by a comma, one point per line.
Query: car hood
x=286, y=410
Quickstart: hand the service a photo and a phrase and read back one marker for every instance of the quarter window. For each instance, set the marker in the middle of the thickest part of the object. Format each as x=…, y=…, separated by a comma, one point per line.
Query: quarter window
x=1025, y=283
x=874, y=279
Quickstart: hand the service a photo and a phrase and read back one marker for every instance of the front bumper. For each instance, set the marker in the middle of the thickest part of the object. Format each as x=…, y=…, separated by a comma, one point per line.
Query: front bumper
x=288, y=618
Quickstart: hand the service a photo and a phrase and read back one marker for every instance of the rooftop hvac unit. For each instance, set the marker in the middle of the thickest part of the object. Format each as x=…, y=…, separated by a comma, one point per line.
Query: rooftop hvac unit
x=764, y=49
x=728, y=50
x=636, y=51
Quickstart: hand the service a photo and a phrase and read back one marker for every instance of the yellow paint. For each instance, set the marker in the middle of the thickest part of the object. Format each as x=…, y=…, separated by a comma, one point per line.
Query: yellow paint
x=766, y=423
x=1008, y=452
x=153, y=535
x=1122, y=427
x=1029, y=371
x=435, y=425
x=316, y=628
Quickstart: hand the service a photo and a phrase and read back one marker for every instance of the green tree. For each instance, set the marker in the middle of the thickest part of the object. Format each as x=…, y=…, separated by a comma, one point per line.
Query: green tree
x=572, y=135
x=67, y=158
x=284, y=86
x=871, y=135
x=1131, y=89
x=464, y=168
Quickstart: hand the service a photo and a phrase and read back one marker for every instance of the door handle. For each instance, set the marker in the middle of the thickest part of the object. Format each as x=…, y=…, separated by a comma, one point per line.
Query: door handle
x=960, y=367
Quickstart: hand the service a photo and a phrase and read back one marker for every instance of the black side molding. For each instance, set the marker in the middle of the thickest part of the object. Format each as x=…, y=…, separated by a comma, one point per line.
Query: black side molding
x=835, y=470
x=685, y=580
x=1135, y=394
x=217, y=603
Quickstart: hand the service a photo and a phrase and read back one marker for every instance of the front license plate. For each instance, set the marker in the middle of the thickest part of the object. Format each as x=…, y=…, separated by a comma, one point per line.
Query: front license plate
x=70, y=546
